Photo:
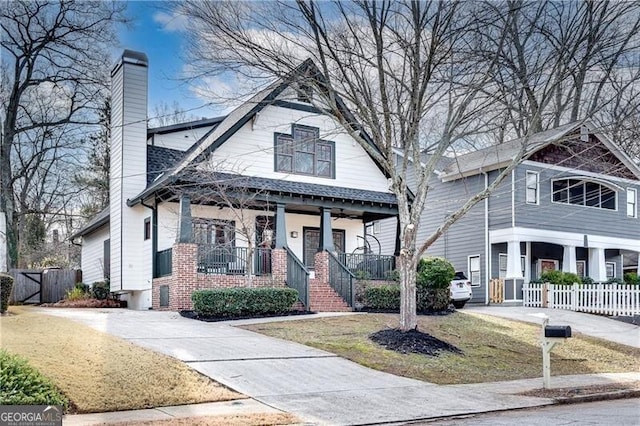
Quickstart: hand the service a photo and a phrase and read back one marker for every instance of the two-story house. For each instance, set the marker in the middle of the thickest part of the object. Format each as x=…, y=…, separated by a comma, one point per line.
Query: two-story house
x=272, y=190
x=571, y=204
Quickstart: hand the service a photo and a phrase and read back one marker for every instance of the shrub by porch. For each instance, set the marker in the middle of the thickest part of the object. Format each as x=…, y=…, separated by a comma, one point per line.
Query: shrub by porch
x=237, y=302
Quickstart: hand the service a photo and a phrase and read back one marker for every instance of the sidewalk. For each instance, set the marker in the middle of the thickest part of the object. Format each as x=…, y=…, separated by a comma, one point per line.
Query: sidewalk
x=316, y=386
x=589, y=324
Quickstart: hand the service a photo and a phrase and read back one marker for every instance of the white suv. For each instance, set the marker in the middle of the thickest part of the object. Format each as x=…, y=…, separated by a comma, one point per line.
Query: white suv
x=460, y=290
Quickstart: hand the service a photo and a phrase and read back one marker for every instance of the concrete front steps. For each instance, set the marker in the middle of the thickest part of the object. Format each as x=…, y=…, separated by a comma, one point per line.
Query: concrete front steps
x=323, y=298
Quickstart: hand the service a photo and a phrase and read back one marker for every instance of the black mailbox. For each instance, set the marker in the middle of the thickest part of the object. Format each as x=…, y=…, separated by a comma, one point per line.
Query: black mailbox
x=563, y=331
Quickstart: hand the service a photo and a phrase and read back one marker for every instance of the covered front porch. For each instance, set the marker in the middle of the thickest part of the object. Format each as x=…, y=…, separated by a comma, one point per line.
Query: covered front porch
x=281, y=240
x=521, y=255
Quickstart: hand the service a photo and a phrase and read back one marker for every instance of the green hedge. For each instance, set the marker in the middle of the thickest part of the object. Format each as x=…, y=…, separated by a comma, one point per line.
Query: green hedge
x=387, y=298
x=384, y=297
x=6, y=283
x=21, y=384
x=240, y=301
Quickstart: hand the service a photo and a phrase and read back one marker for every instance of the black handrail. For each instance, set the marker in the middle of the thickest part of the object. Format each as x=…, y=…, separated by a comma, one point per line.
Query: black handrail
x=341, y=279
x=369, y=266
x=298, y=277
x=214, y=259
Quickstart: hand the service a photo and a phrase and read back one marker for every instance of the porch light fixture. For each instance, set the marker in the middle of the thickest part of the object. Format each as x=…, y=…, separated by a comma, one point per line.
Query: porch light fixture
x=294, y=234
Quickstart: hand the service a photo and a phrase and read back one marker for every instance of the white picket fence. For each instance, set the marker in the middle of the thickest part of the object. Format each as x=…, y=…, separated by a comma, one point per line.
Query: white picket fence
x=607, y=299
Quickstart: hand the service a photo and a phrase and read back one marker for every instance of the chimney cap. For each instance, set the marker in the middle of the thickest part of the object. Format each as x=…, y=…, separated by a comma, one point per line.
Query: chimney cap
x=132, y=56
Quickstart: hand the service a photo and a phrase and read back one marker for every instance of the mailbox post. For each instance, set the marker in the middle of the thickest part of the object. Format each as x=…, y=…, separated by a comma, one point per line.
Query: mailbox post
x=550, y=335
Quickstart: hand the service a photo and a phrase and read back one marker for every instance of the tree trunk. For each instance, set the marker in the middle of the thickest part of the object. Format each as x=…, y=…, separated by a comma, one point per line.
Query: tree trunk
x=408, y=317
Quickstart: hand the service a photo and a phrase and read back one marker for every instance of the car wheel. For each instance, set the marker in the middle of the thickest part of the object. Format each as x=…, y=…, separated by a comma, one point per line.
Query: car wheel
x=459, y=305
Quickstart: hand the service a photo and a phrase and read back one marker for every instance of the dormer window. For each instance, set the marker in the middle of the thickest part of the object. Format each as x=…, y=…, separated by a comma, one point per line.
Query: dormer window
x=304, y=153
x=584, y=193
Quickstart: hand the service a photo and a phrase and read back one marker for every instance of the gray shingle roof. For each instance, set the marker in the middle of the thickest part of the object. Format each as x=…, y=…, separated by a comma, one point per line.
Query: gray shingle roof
x=159, y=160
x=490, y=157
x=228, y=180
x=96, y=222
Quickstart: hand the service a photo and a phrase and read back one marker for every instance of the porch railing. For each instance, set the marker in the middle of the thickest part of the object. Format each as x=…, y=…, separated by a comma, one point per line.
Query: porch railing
x=163, y=263
x=341, y=279
x=369, y=266
x=298, y=277
x=607, y=299
x=213, y=259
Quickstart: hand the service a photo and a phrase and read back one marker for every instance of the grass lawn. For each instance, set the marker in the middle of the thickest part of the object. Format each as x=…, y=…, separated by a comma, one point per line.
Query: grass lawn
x=98, y=372
x=495, y=349
x=266, y=419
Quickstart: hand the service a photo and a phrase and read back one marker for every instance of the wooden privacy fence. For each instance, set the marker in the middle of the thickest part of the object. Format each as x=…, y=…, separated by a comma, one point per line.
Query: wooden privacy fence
x=42, y=286
x=607, y=299
x=496, y=291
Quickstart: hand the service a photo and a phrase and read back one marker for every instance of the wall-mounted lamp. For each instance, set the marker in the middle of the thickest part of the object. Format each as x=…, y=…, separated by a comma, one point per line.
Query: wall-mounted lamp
x=294, y=234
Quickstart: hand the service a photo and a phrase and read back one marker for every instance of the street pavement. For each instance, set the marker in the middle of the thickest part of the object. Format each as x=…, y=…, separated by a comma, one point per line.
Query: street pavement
x=619, y=412
x=316, y=386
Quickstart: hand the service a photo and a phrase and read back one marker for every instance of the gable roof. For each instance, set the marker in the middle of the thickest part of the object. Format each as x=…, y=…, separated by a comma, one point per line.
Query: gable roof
x=231, y=123
x=498, y=156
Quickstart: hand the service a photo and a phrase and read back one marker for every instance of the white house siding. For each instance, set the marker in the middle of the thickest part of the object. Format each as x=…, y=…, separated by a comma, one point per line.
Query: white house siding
x=92, y=255
x=250, y=151
x=179, y=140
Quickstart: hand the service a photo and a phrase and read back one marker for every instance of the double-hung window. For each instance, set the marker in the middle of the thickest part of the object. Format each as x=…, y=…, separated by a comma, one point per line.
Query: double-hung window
x=632, y=202
x=474, y=270
x=533, y=187
x=304, y=153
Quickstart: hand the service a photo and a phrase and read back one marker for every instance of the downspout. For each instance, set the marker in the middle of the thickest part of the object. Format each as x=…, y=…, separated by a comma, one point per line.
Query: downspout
x=513, y=199
x=487, y=245
x=154, y=234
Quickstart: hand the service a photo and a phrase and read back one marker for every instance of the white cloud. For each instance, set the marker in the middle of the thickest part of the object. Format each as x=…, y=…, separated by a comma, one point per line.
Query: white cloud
x=171, y=22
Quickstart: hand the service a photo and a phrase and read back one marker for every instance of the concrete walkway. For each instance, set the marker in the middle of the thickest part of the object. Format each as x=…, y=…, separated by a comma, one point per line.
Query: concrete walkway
x=589, y=324
x=316, y=386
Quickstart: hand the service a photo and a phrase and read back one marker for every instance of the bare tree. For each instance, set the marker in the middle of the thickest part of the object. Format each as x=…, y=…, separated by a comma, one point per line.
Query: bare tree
x=422, y=77
x=240, y=197
x=54, y=70
x=559, y=60
x=166, y=114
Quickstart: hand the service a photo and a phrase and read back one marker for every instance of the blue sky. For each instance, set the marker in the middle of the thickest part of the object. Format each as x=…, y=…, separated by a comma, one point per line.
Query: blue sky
x=164, y=48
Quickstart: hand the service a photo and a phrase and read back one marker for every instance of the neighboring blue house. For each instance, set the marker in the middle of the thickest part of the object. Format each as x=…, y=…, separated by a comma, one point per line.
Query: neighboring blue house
x=571, y=205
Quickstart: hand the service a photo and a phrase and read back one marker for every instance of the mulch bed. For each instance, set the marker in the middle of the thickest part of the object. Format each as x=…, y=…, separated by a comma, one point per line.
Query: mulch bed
x=85, y=303
x=413, y=341
x=195, y=316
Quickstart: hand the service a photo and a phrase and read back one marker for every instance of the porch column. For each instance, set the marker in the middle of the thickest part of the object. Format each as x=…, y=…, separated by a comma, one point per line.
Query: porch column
x=281, y=227
x=597, y=266
x=326, y=233
x=185, y=230
x=514, y=269
x=569, y=260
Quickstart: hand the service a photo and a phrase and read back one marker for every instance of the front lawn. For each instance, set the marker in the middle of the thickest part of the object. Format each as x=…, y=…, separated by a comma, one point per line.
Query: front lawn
x=494, y=349
x=98, y=372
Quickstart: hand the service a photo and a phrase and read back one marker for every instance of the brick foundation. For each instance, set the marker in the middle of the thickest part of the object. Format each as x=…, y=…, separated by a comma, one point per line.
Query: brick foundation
x=185, y=279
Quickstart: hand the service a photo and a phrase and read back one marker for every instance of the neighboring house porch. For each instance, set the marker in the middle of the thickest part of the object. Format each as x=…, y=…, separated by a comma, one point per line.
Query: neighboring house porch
x=521, y=255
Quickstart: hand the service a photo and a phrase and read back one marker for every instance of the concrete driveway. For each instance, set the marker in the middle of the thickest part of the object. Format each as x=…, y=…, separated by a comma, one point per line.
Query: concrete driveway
x=317, y=386
x=589, y=324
